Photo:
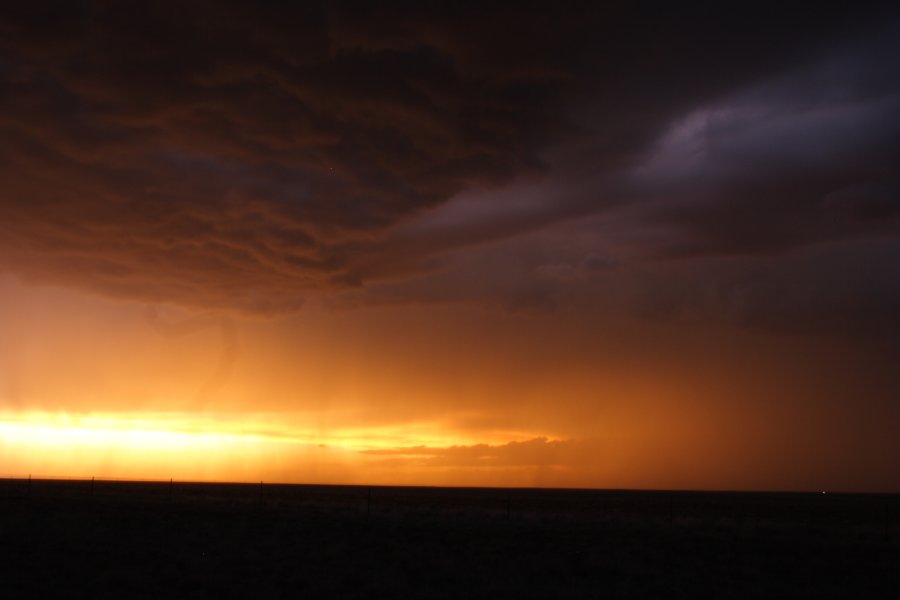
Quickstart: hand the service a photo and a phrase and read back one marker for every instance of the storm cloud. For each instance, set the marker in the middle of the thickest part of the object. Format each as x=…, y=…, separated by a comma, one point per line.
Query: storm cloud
x=227, y=157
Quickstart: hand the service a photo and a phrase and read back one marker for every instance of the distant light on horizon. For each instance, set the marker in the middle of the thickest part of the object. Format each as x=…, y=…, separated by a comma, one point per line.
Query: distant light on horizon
x=188, y=446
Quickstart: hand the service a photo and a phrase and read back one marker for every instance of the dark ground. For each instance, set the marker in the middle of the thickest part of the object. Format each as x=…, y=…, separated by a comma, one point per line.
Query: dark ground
x=78, y=539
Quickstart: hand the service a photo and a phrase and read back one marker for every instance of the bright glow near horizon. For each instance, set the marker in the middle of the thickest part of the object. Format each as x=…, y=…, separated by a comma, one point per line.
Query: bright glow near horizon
x=219, y=448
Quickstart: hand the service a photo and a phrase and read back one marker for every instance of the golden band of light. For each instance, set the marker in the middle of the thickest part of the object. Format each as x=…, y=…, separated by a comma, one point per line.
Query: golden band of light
x=160, y=445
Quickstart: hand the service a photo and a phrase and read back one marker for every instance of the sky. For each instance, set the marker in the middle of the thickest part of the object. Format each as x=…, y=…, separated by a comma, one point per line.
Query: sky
x=602, y=245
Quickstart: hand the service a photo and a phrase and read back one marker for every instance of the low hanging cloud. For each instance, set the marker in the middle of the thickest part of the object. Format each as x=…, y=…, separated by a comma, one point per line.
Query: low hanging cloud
x=176, y=153
x=229, y=157
x=806, y=157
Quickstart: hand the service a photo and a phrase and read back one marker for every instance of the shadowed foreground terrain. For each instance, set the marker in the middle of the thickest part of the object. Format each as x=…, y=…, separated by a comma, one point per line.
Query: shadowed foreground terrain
x=152, y=540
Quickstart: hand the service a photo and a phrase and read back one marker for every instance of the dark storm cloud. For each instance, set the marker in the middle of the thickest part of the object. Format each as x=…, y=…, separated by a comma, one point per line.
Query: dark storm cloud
x=210, y=156
x=808, y=156
x=237, y=156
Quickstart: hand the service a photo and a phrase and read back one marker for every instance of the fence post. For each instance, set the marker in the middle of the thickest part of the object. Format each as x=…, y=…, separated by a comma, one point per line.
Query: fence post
x=508, y=505
x=369, y=501
x=260, y=492
x=171, y=483
x=29, y=484
x=92, y=486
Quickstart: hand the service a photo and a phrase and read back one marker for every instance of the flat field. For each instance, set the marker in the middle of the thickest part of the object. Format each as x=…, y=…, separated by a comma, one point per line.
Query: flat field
x=104, y=539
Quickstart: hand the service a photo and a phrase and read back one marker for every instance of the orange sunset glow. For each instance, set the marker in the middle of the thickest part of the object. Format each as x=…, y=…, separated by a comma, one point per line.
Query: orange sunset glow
x=444, y=397
x=383, y=247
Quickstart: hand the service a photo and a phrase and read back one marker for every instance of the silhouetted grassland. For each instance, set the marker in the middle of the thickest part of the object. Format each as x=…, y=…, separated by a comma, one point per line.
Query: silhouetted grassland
x=155, y=540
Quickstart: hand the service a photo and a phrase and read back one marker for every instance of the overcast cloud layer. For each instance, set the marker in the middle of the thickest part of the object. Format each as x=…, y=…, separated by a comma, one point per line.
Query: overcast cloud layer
x=219, y=156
